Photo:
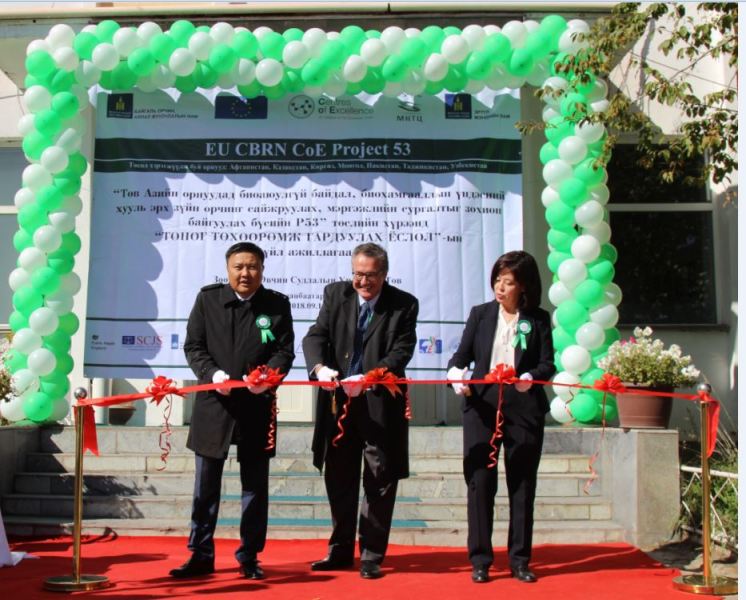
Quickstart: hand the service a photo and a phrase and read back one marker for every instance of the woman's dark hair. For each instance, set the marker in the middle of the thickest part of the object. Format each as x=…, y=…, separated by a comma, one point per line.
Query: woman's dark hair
x=523, y=267
x=247, y=247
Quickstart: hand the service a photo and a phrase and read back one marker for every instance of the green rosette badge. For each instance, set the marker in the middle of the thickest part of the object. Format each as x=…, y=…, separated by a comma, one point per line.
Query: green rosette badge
x=263, y=322
x=522, y=330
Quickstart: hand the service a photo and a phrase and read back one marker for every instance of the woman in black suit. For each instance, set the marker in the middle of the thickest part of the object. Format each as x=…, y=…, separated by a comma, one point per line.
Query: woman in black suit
x=512, y=330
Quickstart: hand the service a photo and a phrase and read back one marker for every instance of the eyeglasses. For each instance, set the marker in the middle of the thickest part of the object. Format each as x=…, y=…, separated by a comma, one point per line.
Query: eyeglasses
x=369, y=276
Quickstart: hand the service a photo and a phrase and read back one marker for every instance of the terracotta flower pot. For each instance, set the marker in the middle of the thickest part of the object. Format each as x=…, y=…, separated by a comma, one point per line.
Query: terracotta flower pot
x=637, y=411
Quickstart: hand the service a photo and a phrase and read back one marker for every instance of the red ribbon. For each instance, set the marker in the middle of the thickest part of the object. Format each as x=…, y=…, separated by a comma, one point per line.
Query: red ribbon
x=610, y=384
x=340, y=422
x=272, y=433
x=264, y=375
x=501, y=374
x=713, y=411
x=161, y=387
x=90, y=439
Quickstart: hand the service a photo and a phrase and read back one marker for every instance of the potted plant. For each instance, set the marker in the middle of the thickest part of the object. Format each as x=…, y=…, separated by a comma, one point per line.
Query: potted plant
x=644, y=363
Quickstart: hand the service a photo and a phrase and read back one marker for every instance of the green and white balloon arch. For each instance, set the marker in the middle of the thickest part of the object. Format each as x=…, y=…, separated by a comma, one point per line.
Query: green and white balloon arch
x=62, y=66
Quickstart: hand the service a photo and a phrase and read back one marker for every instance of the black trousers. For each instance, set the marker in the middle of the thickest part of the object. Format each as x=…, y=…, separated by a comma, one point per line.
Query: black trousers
x=206, y=503
x=342, y=467
x=521, y=445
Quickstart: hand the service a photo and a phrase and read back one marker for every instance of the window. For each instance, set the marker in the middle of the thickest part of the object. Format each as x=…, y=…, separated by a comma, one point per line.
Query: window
x=664, y=235
x=12, y=163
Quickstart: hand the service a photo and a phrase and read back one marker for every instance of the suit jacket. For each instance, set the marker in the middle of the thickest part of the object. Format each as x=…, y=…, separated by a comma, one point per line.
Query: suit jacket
x=216, y=342
x=537, y=359
x=389, y=341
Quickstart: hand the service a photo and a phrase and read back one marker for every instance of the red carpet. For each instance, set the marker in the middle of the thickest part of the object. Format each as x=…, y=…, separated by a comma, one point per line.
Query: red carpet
x=138, y=567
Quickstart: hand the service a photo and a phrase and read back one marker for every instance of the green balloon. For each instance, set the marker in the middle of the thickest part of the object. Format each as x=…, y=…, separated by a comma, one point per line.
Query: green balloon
x=292, y=81
x=30, y=80
x=555, y=259
x=181, y=31
x=372, y=34
x=61, y=261
x=55, y=385
x=245, y=44
x=15, y=361
x=65, y=364
x=58, y=342
x=26, y=299
x=574, y=106
x=162, y=46
x=295, y=35
x=31, y=216
x=591, y=376
x=353, y=37
x=84, y=44
x=141, y=62
x=77, y=164
x=413, y=52
x=557, y=129
x=105, y=30
x=598, y=354
x=539, y=44
x=611, y=409
x=272, y=44
x=455, y=80
x=69, y=323
x=571, y=314
x=65, y=104
x=203, y=29
x=373, y=82
x=433, y=88
x=612, y=335
x=274, y=92
x=553, y=25
x=252, y=90
x=61, y=81
x=34, y=143
x=205, y=76
x=22, y=239
x=106, y=80
x=71, y=243
x=561, y=239
x=589, y=172
x=353, y=88
x=45, y=280
x=17, y=321
x=223, y=58
x=394, y=68
x=521, y=62
x=497, y=46
x=584, y=83
x=583, y=408
x=451, y=30
x=589, y=293
x=334, y=54
x=433, y=37
x=573, y=191
x=122, y=77
x=186, y=85
x=48, y=122
x=558, y=360
x=561, y=339
x=40, y=64
x=315, y=73
x=561, y=66
x=38, y=407
x=560, y=215
x=548, y=152
x=67, y=182
x=601, y=270
x=478, y=65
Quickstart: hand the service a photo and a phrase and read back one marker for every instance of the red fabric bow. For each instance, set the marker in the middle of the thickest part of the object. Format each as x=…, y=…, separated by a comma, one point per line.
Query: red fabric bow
x=610, y=384
x=501, y=373
x=382, y=376
x=265, y=376
x=161, y=387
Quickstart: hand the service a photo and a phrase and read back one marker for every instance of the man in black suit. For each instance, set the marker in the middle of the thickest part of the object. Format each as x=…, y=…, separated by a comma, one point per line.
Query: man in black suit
x=233, y=329
x=363, y=324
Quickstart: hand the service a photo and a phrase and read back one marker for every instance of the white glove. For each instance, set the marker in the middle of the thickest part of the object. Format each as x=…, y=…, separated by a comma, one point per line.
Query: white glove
x=523, y=384
x=460, y=389
x=352, y=385
x=256, y=389
x=220, y=376
x=327, y=375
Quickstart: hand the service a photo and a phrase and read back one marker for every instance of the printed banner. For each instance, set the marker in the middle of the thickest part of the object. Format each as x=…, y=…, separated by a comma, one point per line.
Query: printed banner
x=177, y=180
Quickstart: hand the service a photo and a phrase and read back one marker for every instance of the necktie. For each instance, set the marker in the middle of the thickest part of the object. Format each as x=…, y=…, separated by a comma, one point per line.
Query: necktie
x=356, y=364
x=362, y=321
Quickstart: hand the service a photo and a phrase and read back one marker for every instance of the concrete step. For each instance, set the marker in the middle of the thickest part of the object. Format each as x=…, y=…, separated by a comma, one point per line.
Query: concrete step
x=444, y=534
x=421, y=485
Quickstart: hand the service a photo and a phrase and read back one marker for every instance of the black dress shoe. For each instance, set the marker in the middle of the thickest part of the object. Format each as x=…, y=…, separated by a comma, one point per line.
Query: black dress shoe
x=252, y=570
x=523, y=574
x=479, y=574
x=370, y=570
x=331, y=564
x=194, y=567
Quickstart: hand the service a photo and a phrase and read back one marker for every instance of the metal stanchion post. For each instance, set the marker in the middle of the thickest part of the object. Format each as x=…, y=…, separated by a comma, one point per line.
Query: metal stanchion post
x=706, y=583
x=77, y=582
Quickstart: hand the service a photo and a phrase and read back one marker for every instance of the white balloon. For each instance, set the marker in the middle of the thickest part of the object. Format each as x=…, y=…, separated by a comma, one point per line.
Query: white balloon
x=613, y=294
x=81, y=93
x=436, y=67
x=70, y=140
x=601, y=231
x=589, y=214
x=392, y=89
x=564, y=392
x=586, y=248
x=414, y=82
x=163, y=77
x=146, y=84
x=24, y=381
x=60, y=302
x=332, y=35
x=269, y=72
x=89, y=29
x=126, y=40
x=474, y=36
x=490, y=29
x=200, y=44
x=23, y=197
x=70, y=283
x=554, y=87
x=516, y=32
x=244, y=72
x=600, y=106
x=26, y=124
x=36, y=177
x=36, y=98
x=18, y=278
x=105, y=57
x=599, y=91
x=454, y=49
x=335, y=85
x=559, y=411
x=182, y=62
x=226, y=81
x=66, y=58
x=575, y=359
x=393, y=37
x=31, y=259
x=539, y=73
x=572, y=149
x=571, y=272
x=62, y=222
x=590, y=132
x=295, y=54
x=87, y=74
x=556, y=171
x=222, y=32
x=41, y=362
x=47, y=238
x=549, y=196
x=600, y=194
x=260, y=32
x=61, y=35
x=147, y=30
x=473, y=87
x=512, y=81
x=60, y=409
x=26, y=340
x=548, y=113
x=578, y=25
x=606, y=315
x=570, y=41
x=354, y=69
x=54, y=159
x=72, y=205
x=411, y=32
x=373, y=52
x=531, y=25
x=43, y=321
x=558, y=293
x=37, y=45
x=13, y=410
x=590, y=336
x=314, y=39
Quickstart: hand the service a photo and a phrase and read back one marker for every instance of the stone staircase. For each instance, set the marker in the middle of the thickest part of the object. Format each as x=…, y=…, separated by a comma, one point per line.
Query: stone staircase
x=126, y=491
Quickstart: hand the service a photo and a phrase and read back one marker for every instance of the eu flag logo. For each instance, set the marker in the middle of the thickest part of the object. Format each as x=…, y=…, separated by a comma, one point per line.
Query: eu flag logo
x=235, y=107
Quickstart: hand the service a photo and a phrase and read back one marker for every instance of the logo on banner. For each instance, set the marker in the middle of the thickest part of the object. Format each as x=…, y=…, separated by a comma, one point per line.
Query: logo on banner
x=301, y=107
x=431, y=345
x=142, y=341
x=411, y=110
x=458, y=106
x=174, y=341
x=119, y=106
x=236, y=107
